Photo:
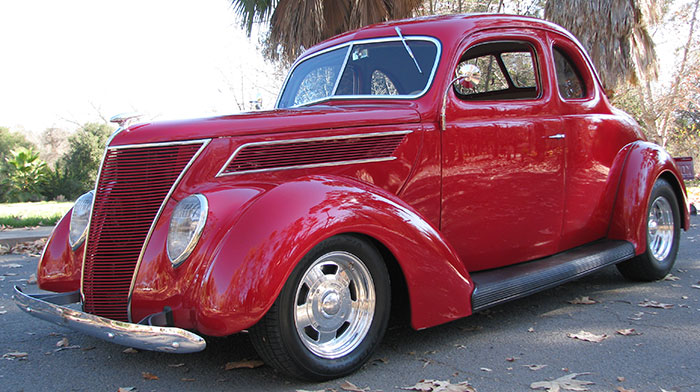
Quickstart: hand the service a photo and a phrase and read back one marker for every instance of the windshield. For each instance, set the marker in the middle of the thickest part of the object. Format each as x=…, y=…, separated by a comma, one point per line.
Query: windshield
x=377, y=68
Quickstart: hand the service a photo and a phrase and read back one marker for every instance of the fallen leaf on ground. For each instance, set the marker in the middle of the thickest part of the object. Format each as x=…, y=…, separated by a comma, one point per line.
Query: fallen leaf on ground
x=585, y=300
x=587, y=336
x=247, y=364
x=350, y=387
x=621, y=379
x=188, y=379
x=176, y=365
x=15, y=355
x=11, y=265
x=126, y=389
x=671, y=278
x=621, y=389
x=637, y=316
x=3, y=312
x=130, y=350
x=62, y=343
x=566, y=382
x=485, y=369
x=628, y=332
x=654, y=304
x=531, y=329
x=511, y=359
x=440, y=386
x=535, y=367
x=149, y=376
x=32, y=279
x=696, y=286
x=30, y=248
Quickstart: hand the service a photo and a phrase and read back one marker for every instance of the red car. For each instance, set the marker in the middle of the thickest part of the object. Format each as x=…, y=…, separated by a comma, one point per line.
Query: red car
x=439, y=165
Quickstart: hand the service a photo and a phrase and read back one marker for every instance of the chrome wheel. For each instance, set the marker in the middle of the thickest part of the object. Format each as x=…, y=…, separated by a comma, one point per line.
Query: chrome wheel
x=660, y=228
x=335, y=302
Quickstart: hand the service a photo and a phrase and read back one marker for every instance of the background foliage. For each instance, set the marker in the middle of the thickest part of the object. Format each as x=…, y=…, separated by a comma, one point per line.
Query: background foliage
x=24, y=176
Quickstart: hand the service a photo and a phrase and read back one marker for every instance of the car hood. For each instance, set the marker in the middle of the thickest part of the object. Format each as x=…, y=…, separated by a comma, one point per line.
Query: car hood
x=268, y=122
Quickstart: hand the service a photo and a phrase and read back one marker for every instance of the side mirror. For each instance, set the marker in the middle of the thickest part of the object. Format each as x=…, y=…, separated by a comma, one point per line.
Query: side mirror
x=467, y=77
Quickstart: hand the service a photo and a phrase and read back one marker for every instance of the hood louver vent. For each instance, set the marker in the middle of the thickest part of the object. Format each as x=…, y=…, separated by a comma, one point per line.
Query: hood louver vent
x=314, y=152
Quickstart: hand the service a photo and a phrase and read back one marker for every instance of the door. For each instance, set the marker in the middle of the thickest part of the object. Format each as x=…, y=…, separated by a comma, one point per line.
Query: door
x=503, y=172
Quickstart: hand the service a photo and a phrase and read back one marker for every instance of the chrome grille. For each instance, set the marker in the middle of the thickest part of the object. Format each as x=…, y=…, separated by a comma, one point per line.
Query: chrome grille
x=134, y=181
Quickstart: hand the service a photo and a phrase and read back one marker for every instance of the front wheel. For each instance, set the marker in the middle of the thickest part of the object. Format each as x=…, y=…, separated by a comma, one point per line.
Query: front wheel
x=331, y=313
x=663, y=236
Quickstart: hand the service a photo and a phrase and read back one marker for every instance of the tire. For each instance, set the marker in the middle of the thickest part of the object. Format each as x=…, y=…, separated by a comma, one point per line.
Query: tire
x=663, y=237
x=331, y=313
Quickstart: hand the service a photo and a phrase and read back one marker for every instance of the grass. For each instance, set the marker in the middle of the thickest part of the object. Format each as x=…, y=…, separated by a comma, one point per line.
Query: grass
x=45, y=213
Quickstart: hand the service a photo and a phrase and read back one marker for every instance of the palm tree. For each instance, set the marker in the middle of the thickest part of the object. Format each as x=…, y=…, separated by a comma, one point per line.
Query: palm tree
x=299, y=24
x=613, y=31
x=615, y=34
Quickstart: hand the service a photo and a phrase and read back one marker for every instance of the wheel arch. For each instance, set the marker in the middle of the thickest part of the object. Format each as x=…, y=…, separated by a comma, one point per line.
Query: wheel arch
x=644, y=165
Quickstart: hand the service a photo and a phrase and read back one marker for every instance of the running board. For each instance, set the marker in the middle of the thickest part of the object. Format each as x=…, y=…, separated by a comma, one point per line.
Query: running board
x=500, y=285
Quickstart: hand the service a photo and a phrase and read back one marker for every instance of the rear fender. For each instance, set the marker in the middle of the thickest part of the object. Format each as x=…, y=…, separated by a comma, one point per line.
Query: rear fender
x=645, y=163
x=255, y=258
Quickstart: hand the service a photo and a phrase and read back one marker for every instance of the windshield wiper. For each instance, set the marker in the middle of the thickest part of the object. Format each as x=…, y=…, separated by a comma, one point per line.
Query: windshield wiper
x=410, y=53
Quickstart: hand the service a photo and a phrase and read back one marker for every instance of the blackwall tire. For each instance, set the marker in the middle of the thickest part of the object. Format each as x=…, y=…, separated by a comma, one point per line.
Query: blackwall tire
x=663, y=236
x=331, y=313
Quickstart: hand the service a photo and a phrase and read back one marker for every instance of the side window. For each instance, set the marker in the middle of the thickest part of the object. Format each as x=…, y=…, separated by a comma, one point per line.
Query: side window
x=499, y=71
x=569, y=80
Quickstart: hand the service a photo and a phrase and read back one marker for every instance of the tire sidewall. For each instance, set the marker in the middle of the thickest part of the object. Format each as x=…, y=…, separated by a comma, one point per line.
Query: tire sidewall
x=322, y=368
x=663, y=267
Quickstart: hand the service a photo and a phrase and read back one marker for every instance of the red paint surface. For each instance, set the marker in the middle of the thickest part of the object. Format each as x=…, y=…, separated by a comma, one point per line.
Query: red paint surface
x=491, y=190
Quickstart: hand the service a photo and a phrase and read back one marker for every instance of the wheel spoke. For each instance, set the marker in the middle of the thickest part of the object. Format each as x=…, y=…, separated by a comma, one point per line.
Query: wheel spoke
x=342, y=277
x=303, y=316
x=314, y=276
x=325, y=337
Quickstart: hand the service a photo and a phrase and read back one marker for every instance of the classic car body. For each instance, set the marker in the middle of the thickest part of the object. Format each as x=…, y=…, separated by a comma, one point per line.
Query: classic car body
x=384, y=176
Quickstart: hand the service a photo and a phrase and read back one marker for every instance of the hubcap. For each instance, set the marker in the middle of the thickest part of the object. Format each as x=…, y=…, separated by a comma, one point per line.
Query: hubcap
x=660, y=228
x=335, y=303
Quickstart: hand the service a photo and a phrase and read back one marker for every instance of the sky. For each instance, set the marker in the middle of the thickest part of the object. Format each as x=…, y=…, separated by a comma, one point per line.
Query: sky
x=64, y=63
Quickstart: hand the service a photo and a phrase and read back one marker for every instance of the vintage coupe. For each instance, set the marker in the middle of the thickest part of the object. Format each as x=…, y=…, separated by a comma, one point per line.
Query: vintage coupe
x=439, y=165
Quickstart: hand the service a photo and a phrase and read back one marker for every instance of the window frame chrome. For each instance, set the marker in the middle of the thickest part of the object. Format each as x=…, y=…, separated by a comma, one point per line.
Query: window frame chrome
x=350, y=44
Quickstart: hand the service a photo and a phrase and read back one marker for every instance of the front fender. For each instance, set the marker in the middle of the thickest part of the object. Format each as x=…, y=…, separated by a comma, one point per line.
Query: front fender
x=257, y=255
x=645, y=163
x=59, y=267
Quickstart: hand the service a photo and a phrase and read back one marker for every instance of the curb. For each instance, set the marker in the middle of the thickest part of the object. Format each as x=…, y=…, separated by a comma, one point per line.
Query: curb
x=12, y=237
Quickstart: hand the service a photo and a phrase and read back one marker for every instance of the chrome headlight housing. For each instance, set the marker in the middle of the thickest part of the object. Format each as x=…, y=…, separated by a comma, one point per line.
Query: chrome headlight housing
x=186, y=225
x=79, y=218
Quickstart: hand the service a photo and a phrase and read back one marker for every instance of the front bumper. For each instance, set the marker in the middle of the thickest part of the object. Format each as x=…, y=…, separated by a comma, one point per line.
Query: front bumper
x=146, y=337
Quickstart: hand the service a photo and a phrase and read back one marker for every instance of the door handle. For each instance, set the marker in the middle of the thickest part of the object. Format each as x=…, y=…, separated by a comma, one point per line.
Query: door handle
x=557, y=136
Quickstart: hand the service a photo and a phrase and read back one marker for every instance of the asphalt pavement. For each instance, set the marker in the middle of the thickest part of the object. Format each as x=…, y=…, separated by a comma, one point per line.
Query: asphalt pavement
x=506, y=348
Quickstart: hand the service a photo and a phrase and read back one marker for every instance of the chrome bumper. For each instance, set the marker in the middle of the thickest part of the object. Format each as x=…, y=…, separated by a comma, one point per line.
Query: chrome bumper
x=146, y=337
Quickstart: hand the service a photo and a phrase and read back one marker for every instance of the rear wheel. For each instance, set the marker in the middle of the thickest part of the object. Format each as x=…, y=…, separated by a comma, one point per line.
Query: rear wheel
x=331, y=313
x=663, y=236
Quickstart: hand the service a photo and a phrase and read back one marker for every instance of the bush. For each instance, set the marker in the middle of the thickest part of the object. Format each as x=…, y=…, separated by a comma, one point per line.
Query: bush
x=24, y=176
x=76, y=171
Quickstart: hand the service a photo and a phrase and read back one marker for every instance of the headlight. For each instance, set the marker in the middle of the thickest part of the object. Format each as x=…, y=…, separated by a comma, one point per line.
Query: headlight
x=79, y=219
x=186, y=224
